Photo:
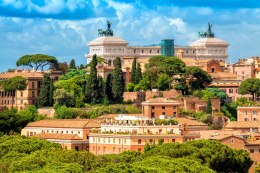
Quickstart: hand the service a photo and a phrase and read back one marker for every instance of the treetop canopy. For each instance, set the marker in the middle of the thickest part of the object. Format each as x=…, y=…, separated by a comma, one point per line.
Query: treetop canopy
x=36, y=61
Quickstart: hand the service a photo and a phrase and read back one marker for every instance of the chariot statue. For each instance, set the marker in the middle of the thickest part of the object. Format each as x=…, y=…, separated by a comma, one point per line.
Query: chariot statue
x=208, y=34
x=107, y=32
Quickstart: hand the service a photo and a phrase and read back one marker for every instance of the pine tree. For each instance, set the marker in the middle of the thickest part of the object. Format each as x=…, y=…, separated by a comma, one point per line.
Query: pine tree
x=208, y=106
x=51, y=93
x=133, y=71
x=118, y=81
x=138, y=77
x=108, y=87
x=72, y=64
x=81, y=66
x=93, y=81
x=43, y=99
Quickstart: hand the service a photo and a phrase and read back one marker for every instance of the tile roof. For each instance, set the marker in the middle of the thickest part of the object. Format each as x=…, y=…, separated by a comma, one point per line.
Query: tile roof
x=23, y=74
x=223, y=75
x=58, y=136
x=161, y=100
x=116, y=115
x=67, y=123
x=252, y=142
x=190, y=122
x=223, y=136
x=243, y=124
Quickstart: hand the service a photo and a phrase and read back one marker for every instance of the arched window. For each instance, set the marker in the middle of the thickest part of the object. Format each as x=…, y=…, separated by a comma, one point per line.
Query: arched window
x=109, y=62
x=212, y=70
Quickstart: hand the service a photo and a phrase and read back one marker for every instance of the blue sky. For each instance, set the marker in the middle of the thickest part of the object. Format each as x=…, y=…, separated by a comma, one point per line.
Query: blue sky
x=63, y=28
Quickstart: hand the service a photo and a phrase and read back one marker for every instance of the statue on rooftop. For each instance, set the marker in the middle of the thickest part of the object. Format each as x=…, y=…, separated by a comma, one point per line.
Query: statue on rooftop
x=107, y=32
x=208, y=34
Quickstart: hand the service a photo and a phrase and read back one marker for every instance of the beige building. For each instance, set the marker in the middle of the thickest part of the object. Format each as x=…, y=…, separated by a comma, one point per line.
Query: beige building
x=70, y=133
x=248, y=113
x=28, y=96
x=109, y=47
x=126, y=132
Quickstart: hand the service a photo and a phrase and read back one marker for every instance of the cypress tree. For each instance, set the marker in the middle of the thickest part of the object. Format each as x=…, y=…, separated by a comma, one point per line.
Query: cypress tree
x=43, y=99
x=138, y=77
x=51, y=93
x=133, y=71
x=93, y=80
x=72, y=64
x=118, y=81
x=100, y=88
x=108, y=87
x=208, y=107
x=81, y=66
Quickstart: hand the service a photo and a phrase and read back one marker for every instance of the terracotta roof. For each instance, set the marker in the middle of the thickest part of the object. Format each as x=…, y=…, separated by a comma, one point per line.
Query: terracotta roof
x=222, y=136
x=252, y=142
x=116, y=115
x=23, y=74
x=161, y=100
x=58, y=136
x=190, y=122
x=67, y=123
x=243, y=124
x=223, y=75
x=224, y=84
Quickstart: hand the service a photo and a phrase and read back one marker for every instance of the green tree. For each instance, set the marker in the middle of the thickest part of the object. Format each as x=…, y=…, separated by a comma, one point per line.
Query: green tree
x=45, y=95
x=13, y=84
x=160, y=142
x=51, y=93
x=250, y=86
x=101, y=94
x=72, y=64
x=37, y=61
x=147, y=148
x=61, y=66
x=62, y=112
x=92, y=92
x=208, y=106
x=138, y=73
x=198, y=78
x=130, y=87
x=118, y=81
x=108, y=87
x=133, y=72
x=62, y=97
x=163, y=82
x=81, y=67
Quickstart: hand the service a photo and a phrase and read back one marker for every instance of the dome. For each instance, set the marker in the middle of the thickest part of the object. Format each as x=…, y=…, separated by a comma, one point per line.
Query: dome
x=203, y=42
x=107, y=40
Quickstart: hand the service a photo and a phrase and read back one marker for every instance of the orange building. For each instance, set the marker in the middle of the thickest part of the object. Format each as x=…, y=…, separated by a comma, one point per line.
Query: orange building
x=248, y=113
x=28, y=96
x=131, y=133
x=70, y=133
x=251, y=146
x=243, y=126
x=152, y=108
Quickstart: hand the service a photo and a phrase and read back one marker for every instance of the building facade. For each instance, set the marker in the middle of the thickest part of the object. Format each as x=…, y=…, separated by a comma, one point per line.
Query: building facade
x=248, y=113
x=26, y=97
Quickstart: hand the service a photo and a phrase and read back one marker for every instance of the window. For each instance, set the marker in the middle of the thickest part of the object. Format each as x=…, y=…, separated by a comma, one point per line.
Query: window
x=33, y=85
x=163, y=107
x=232, y=140
x=212, y=70
x=174, y=107
x=252, y=150
x=33, y=94
x=65, y=147
x=173, y=140
x=134, y=51
x=163, y=113
x=254, y=112
x=76, y=148
x=174, y=114
x=254, y=119
x=230, y=90
x=142, y=51
x=139, y=141
x=150, y=51
x=152, y=116
x=245, y=112
x=21, y=94
x=152, y=107
x=246, y=119
x=158, y=51
x=150, y=141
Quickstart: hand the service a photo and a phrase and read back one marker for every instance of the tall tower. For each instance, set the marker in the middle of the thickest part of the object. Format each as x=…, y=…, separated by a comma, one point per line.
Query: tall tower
x=167, y=47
